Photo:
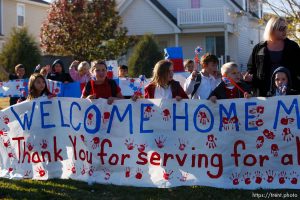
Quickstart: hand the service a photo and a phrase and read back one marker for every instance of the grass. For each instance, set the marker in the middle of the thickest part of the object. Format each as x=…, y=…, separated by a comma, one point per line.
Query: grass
x=4, y=102
x=70, y=189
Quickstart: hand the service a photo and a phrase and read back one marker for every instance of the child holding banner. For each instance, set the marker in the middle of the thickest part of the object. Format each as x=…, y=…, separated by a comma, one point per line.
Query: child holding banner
x=19, y=74
x=200, y=85
x=37, y=87
x=163, y=86
x=101, y=87
x=231, y=86
x=281, y=83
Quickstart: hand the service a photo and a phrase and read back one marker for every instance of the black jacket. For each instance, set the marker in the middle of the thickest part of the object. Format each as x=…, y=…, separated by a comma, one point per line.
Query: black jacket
x=289, y=91
x=260, y=66
x=220, y=91
x=62, y=77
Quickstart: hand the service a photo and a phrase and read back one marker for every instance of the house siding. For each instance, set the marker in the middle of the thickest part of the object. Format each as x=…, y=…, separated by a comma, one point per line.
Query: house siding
x=34, y=16
x=151, y=21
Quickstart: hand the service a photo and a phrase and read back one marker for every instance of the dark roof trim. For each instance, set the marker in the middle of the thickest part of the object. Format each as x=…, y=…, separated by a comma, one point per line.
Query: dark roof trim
x=241, y=8
x=164, y=11
x=40, y=1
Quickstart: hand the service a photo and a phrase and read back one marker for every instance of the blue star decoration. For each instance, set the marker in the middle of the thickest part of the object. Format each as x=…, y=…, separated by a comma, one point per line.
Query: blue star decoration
x=135, y=88
x=142, y=78
x=110, y=68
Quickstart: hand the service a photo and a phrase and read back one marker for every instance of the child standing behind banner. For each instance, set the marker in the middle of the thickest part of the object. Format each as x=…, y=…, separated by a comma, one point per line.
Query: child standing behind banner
x=101, y=87
x=231, y=86
x=19, y=74
x=163, y=86
x=200, y=85
x=37, y=87
x=281, y=83
x=58, y=73
x=82, y=73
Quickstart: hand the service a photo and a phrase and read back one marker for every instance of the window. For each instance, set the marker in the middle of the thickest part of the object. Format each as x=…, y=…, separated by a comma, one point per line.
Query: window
x=195, y=3
x=20, y=15
x=215, y=45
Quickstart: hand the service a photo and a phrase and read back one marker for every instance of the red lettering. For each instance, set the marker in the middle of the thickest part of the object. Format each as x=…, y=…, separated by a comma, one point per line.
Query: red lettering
x=74, y=146
x=115, y=157
x=247, y=162
x=143, y=160
x=289, y=161
x=166, y=157
x=181, y=161
x=219, y=164
x=56, y=153
x=124, y=156
x=102, y=154
x=19, y=146
x=36, y=157
x=155, y=157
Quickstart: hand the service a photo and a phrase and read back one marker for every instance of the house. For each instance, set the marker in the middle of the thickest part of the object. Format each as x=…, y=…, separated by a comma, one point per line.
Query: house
x=20, y=13
x=227, y=28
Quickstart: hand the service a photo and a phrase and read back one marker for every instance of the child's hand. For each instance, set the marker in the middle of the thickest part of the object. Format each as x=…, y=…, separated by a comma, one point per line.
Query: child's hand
x=92, y=96
x=247, y=77
x=50, y=96
x=110, y=100
x=194, y=75
x=247, y=95
x=19, y=100
x=178, y=98
x=134, y=98
x=213, y=99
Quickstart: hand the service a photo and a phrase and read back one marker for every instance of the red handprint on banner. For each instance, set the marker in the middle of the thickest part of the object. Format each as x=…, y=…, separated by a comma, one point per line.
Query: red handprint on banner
x=287, y=134
x=167, y=174
x=235, y=178
x=203, y=119
x=139, y=174
x=182, y=144
x=268, y=134
x=95, y=142
x=183, y=177
x=30, y=146
x=3, y=133
x=271, y=174
x=44, y=144
x=41, y=171
x=27, y=174
x=258, y=177
x=6, y=143
x=211, y=141
x=72, y=168
x=282, y=177
x=294, y=177
x=83, y=170
x=105, y=118
x=260, y=141
x=107, y=174
x=274, y=150
x=127, y=172
x=129, y=143
x=160, y=141
x=91, y=170
x=257, y=110
x=247, y=178
x=166, y=114
x=90, y=118
x=141, y=147
x=5, y=119
x=148, y=112
x=286, y=120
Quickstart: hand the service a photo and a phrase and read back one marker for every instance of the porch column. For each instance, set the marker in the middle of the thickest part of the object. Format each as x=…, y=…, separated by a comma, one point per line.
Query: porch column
x=176, y=40
x=226, y=43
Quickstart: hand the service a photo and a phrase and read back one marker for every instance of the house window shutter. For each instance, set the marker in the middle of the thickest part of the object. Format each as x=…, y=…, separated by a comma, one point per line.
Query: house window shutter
x=195, y=3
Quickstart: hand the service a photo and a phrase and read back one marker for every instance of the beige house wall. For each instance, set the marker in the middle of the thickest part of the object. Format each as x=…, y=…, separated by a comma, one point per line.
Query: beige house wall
x=35, y=14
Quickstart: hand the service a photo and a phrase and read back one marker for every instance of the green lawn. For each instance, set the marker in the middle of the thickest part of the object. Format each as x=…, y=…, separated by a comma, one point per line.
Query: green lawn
x=69, y=189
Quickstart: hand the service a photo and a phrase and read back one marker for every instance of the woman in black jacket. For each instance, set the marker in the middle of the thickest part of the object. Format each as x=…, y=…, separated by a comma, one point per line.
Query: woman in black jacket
x=277, y=50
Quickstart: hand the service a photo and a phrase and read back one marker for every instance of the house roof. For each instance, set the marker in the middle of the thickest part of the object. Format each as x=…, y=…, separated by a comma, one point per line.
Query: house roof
x=40, y=1
x=164, y=11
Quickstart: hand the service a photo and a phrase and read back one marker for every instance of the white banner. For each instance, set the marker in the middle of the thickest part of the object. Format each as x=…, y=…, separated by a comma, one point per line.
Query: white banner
x=238, y=143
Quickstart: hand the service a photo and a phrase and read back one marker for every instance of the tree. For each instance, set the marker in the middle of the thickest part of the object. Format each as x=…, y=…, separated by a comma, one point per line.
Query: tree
x=19, y=48
x=145, y=55
x=290, y=9
x=84, y=29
